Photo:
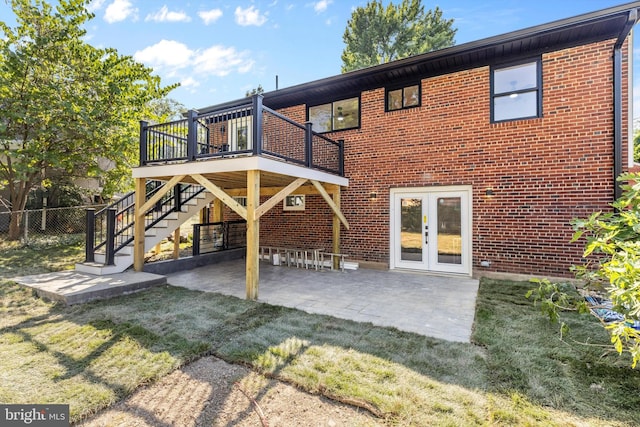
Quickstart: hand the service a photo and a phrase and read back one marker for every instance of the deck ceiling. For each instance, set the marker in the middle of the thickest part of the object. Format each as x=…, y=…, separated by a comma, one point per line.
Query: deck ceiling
x=238, y=180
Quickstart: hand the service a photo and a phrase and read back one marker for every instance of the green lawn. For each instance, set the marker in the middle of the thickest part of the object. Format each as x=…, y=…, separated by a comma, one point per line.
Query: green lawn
x=517, y=372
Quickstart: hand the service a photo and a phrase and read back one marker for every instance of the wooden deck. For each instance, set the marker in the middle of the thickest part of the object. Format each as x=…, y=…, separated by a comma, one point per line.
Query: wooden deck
x=248, y=176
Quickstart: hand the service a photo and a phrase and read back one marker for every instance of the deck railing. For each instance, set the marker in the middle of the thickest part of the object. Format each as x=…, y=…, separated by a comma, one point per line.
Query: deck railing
x=247, y=128
x=112, y=228
x=218, y=236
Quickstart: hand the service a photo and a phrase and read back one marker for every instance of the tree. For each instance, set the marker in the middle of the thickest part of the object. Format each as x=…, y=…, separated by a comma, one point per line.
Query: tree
x=613, y=270
x=255, y=91
x=376, y=35
x=64, y=103
x=166, y=109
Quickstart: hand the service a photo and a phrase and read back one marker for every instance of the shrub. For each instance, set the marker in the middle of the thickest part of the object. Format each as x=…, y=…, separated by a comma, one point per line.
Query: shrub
x=612, y=270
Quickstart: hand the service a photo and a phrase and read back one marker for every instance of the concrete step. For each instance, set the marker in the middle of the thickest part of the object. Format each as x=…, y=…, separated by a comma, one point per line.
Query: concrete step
x=97, y=269
x=119, y=259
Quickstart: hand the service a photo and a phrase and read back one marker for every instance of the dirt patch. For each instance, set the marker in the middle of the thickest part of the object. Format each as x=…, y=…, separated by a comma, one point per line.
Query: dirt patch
x=212, y=392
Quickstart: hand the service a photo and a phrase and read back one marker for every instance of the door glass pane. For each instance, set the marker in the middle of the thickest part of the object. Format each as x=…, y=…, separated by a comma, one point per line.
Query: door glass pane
x=449, y=230
x=411, y=229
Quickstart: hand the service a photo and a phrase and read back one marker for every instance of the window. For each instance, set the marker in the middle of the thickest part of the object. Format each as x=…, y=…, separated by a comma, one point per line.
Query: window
x=293, y=203
x=516, y=91
x=406, y=97
x=337, y=115
x=242, y=200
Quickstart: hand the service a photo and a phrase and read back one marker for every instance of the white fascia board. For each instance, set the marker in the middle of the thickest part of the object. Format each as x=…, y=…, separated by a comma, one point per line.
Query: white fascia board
x=235, y=165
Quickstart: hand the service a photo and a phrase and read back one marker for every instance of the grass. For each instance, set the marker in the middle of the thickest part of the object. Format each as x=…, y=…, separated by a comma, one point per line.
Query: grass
x=42, y=255
x=517, y=372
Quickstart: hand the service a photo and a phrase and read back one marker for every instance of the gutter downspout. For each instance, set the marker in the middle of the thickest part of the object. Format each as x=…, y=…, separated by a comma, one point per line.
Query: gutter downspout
x=617, y=101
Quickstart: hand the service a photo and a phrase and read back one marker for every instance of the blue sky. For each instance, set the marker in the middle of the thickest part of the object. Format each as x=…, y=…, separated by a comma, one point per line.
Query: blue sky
x=218, y=50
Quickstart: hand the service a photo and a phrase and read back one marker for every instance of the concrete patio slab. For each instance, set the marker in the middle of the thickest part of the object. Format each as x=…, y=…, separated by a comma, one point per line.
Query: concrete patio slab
x=73, y=287
x=434, y=306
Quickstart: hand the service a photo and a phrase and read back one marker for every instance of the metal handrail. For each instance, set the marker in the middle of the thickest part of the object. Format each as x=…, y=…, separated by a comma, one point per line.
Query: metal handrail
x=114, y=234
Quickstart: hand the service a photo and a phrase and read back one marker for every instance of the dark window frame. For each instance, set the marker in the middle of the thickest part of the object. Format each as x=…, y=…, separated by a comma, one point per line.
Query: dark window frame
x=537, y=89
x=402, y=87
x=331, y=103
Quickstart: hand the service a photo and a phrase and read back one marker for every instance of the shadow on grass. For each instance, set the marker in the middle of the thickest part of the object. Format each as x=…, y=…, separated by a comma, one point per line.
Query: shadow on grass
x=525, y=354
x=516, y=366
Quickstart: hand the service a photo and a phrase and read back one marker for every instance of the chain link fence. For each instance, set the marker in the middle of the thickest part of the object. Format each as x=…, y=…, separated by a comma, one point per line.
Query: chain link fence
x=49, y=227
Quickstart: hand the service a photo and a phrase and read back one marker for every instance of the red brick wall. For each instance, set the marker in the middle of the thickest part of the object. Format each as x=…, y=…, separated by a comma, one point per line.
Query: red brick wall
x=544, y=171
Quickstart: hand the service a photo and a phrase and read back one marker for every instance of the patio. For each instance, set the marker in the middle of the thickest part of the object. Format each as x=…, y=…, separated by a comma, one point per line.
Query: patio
x=434, y=306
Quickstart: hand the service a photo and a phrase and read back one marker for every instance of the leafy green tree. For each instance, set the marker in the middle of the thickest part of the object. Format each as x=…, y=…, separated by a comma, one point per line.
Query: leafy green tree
x=636, y=148
x=613, y=270
x=64, y=104
x=255, y=91
x=165, y=110
x=376, y=35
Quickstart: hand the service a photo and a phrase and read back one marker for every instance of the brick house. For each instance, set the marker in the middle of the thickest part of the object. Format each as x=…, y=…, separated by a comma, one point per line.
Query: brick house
x=469, y=160
x=512, y=136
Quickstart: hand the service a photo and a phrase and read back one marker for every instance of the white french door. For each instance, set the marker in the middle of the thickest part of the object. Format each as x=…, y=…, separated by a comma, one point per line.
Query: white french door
x=431, y=229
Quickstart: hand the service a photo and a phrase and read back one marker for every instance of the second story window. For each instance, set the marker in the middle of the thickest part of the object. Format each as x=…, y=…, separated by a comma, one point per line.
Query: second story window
x=337, y=115
x=516, y=91
x=405, y=97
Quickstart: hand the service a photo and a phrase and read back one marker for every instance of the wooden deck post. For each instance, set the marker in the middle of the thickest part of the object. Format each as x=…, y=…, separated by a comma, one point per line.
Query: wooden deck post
x=336, y=230
x=218, y=213
x=253, y=233
x=176, y=243
x=138, y=228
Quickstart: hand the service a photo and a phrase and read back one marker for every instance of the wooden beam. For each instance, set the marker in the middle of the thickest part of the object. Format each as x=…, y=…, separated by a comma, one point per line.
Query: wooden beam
x=336, y=231
x=327, y=198
x=161, y=192
x=279, y=196
x=270, y=191
x=139, y=225
x=253, y=233
x=220, y=194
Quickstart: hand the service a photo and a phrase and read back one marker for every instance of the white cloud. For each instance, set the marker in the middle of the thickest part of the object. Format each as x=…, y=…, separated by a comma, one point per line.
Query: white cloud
x=209, y=16
x=322, y=5
x=120, y=10
x=220, y=61
x=95, y=5
x=168, y=54
x=189, y=82
x=249, y=16
x=165, y=15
